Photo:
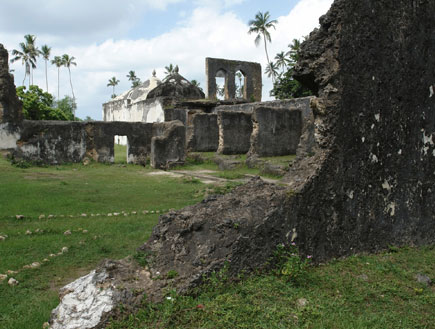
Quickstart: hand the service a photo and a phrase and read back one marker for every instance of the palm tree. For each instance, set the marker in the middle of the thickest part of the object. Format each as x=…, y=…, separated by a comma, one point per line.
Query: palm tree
x=32, y=51
x=58, y=62
x=112, y=83
x=24, y=57
x=45, y=52
x=260, y=25
x=293, y=53
x=271, y=70
x=132, y=77
x=67, y=62
x=170, y=69
x=281, y=61
x=27, y=54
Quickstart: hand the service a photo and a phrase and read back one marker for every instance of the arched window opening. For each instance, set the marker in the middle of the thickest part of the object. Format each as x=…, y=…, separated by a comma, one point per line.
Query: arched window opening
x=240, y=83
x=221, y=84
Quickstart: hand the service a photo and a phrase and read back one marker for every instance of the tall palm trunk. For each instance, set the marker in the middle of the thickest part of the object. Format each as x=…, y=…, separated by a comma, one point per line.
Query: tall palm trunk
x=72, y=91
x=267, y=57
x=46, y=77
x=58, y=73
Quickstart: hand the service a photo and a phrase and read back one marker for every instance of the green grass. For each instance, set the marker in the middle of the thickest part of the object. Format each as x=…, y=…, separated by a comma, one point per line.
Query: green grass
x=120, y=153
x=72, y=190
x=366, y=291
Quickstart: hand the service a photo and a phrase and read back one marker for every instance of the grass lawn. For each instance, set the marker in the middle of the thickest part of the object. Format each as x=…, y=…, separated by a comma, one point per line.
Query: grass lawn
x=73, y=190
x=109, y=210
x=365, y=291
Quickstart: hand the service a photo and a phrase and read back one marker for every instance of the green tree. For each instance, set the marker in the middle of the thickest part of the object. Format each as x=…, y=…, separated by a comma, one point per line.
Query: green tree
x=32, y=51
x=261, y=26
x=285, y=86
x=281, y=61
x=196, y=84
x=67, y=106
x=271, y=69
x=112, y=83
x=38, y=105
x=45, y=52
x=58, y=62
x=134, y=79
x=170, y=70
x=67, y=62
x=27, y=54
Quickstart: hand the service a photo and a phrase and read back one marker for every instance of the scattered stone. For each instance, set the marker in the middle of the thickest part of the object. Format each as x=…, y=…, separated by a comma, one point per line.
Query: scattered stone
x=133, y=212
x=26, y=267
x=19, y=216
x=253, y=161
x=92, y=215
x=145, y=212
x=152, y=211
x=84, y=215
x=85, y=231
x=116, y=214
x=50, y=216
x=13, y=282
x=86, y=161
x=37, y=230
x=109, y=214
x=2, y=238
x=302, y=302
x=3, y=277
x=157, y=211
x=125, y=215
x=45, y=260
x=97, y=215
x=68, y=232
x=52, y=255
x=28, y=232
x=64, y=249
x=41, y=217
x=46, y=325
x=422, y=278
x=12, y=272
x=35, y=265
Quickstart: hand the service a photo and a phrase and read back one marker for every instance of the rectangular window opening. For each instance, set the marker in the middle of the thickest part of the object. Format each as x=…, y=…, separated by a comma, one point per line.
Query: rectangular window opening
x=120, y=149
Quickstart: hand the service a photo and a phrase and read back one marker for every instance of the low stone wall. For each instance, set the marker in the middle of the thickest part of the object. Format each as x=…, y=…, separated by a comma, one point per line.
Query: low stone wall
x=235, y=129
x=276, y=131
x=202, y=132
x=56, y=142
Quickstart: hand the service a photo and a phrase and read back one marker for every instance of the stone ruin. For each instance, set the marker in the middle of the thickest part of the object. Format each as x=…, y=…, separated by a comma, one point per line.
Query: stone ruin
x=224, y=68
x=367, y=183
x=55, y=142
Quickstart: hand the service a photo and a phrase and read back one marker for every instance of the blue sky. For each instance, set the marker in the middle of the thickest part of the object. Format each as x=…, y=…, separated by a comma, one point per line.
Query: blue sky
x=111, y=37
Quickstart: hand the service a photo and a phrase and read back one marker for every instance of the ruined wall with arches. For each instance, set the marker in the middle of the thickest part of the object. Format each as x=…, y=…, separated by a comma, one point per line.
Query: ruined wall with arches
x=241, y=79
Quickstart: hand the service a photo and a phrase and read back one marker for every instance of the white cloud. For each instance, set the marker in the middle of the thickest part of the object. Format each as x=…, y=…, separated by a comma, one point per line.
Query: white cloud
x=206, y=33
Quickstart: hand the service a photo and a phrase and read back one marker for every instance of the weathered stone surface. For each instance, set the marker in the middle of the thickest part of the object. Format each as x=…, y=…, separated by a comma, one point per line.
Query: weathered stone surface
x=202, y=132
x=369, y=182
x=172, y=114
x=168, y=146
x=10, y=105
x=276, y=131
x=235, y=129
x=176, y=86
x=252, y=80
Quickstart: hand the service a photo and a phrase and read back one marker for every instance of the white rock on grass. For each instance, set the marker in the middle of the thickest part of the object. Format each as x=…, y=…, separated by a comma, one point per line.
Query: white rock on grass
x=68, y=232
x=85, y=231
x=41, y=216
x=109, y=214
x=28, y=232
x=35, y=265
x=64, y=249
x=3, y=277
x=83, y=215
x=83, y=302
x=2, y=238
x=12, y=282
x=19, y=216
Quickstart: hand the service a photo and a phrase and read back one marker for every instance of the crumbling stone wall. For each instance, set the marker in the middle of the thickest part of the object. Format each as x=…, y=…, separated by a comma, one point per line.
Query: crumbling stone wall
x=10, y=105
x=235, y=129
x=168, y=147
x=202, y=132
x=56, y=142
x=251, y=71
x=369, y=183
x=276, y=131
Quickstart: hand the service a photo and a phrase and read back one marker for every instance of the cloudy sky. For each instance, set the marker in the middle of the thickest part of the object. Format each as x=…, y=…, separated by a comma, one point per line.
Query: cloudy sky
x=111, y=37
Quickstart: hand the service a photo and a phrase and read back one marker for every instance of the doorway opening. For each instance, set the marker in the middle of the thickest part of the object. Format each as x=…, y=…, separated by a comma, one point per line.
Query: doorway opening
x=120, y=149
